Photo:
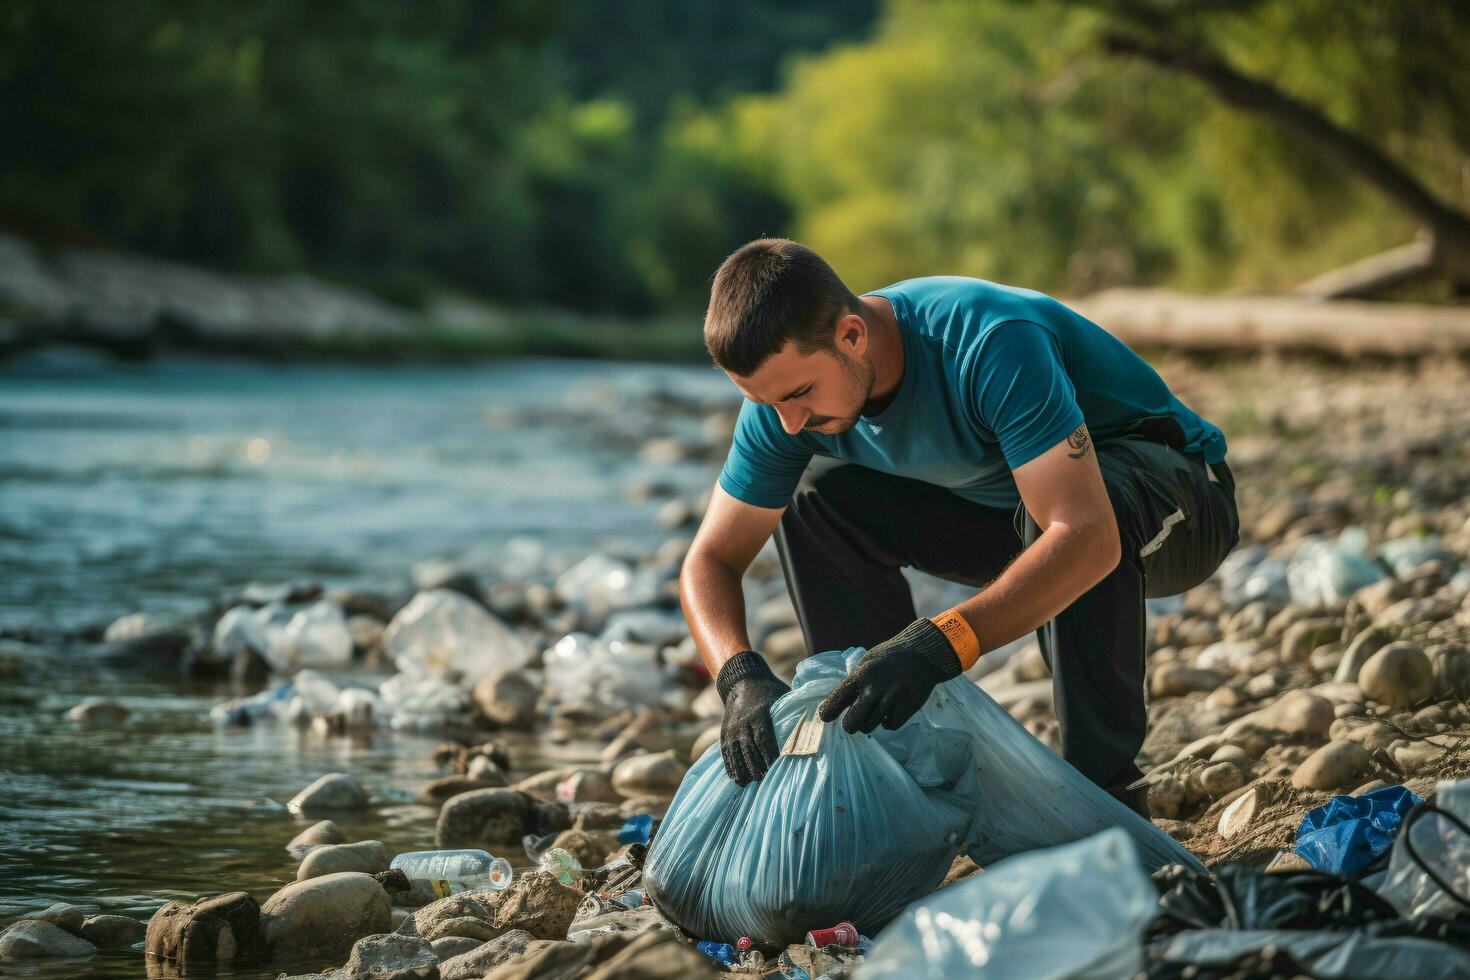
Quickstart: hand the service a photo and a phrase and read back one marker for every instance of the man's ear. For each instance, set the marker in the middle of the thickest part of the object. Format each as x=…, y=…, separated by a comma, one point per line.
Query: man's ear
x=851, y=334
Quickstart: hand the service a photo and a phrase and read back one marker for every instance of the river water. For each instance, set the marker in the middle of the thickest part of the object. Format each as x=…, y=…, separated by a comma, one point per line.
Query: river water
x=161, y=486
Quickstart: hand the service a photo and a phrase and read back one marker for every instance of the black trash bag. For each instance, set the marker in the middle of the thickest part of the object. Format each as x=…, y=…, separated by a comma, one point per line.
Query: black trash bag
x=1455, y=931
x=1239, y=897
x=1266, y=964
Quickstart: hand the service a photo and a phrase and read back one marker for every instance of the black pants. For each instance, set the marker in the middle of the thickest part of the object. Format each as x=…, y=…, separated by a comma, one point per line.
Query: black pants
x=849, y=530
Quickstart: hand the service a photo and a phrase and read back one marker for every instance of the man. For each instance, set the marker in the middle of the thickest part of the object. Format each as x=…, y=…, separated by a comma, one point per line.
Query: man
x=984, y=434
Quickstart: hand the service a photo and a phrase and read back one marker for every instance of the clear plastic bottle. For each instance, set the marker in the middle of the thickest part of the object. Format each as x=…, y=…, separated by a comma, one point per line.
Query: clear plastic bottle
x=562, y=866
x=439, y=874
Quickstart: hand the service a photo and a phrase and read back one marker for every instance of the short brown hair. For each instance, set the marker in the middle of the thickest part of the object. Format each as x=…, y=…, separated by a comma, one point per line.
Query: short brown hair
x=767, y=292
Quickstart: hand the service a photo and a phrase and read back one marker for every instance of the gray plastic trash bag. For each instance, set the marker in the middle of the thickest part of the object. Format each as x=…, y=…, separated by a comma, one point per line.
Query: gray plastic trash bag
x=1433, y=842
x=1077, y=910
x=865, y=824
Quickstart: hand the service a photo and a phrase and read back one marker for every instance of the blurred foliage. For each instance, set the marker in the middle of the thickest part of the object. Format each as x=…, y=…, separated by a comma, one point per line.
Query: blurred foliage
x=513, y=149
x=605, y=156
x=995, y=139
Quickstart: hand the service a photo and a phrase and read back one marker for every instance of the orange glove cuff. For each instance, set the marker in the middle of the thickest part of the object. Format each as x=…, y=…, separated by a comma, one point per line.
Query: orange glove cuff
x=960, y=636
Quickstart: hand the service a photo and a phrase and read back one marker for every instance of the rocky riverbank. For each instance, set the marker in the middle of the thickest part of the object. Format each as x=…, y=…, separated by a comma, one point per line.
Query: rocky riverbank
x=135, y=306
x=1330, y=655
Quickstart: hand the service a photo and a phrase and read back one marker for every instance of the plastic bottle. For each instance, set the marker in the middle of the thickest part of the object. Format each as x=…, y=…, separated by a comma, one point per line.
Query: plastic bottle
x=752, y=961
x=439, y=874
x=562, y=866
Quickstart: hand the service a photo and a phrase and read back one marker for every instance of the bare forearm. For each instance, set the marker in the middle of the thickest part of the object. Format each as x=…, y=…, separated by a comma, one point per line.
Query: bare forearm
x=714, y=608
x=1060, y=565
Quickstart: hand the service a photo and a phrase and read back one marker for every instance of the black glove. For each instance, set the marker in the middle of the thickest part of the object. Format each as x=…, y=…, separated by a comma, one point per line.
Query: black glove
x=893, y=680
x=747, y=740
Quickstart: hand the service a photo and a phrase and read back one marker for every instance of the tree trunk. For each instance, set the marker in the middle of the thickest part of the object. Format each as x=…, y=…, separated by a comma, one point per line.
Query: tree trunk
x=1399, y=266
x=1450, y=227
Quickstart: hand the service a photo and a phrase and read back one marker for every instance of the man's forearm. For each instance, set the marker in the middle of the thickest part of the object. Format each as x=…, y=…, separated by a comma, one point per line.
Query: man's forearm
x=714, y=608
x=1046, y=578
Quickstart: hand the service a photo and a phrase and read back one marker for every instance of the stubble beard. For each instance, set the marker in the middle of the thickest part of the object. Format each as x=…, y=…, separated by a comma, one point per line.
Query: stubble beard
x=860, y=377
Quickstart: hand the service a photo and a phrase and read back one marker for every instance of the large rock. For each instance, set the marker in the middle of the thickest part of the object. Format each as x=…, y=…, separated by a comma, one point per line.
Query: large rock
x=478, y=962
x=1333, y=766
x=1220, y=778
x=658, y=955
x=1397, y=675
x=654, y=774
x=113, y=931
x=436, y=791
x=485, y=769
x=1176, y=679
x=63, y=916
x=543, y=784
x=587, y=786
x=1304, y=636
x=497, y=817
x=614, y=956
x=391, y=957
x=31, y=939
x=1370, y=733
x=325, y=915
x=1451, y=664
x=320, y=833
x=1294, y=713
x=99, y=713
x=448, y=947
x=586, y=848
x=334, y=791
x=507, y=699
x=1363, y=646
x=539, y=904
x=1414, y=757
x=224, y=927
x=368, y=856
x=470, y=915
x=598, y=816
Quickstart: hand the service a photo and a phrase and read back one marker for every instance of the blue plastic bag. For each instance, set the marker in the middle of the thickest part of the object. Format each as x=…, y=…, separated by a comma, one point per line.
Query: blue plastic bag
x=868, y=823
x=1347, y=832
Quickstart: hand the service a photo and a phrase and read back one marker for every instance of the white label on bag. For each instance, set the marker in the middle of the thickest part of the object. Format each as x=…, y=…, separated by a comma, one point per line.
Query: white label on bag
x=805, y=738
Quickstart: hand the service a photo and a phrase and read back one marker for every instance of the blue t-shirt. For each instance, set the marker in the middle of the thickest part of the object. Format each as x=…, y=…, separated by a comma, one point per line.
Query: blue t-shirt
x=992, y=377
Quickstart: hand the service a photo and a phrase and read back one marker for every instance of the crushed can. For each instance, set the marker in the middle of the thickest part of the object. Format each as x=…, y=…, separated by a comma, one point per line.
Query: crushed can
x=842, y=934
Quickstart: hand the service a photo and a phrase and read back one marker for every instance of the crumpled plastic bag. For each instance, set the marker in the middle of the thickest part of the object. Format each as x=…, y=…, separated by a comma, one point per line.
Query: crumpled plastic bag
x=289, y=637
x=609, y=675
x=1346, y=833
x=1320, y=572
x=1243, y=898
x=442, y=633
x=1248, y=574
x=1077, y=910
x=1435, y=842
x=868, y=823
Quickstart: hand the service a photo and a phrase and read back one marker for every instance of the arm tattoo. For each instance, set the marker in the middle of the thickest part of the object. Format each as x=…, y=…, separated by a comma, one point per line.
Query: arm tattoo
x=1079, y=441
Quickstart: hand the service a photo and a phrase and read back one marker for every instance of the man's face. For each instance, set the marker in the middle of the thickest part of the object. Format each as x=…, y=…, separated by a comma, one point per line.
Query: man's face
x=821, y=392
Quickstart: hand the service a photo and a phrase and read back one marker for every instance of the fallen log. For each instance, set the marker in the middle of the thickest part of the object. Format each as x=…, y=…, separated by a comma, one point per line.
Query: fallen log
x=1145, y=318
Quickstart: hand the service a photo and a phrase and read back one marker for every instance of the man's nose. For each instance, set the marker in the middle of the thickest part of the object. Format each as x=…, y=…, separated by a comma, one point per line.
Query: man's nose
x=792, y=418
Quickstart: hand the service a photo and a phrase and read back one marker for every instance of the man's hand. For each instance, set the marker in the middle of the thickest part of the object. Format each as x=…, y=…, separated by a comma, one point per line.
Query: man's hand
x=747, y=740
x=893, y=680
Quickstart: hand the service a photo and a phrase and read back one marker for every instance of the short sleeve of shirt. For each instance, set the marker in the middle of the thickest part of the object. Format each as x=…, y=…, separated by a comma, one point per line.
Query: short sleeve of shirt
x=764, y=464
x=1022, y=390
